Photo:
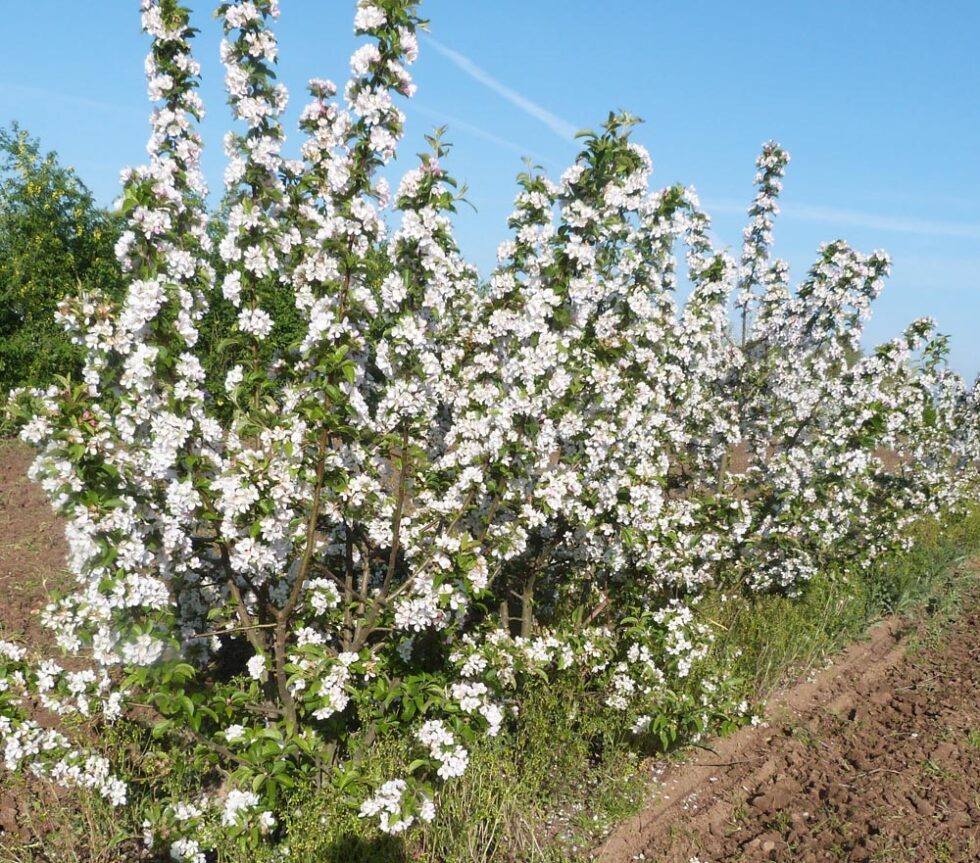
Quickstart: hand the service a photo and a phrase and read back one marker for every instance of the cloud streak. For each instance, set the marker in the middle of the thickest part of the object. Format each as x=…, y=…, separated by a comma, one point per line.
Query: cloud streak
x=65, y=98
x=857, y=219
x=456, y=123
x=895, y=224
x=562, y=128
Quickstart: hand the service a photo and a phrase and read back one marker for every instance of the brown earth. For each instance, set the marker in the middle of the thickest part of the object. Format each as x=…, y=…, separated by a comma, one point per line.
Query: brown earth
x=878, y=759
x=32, y=560
x=32, y=548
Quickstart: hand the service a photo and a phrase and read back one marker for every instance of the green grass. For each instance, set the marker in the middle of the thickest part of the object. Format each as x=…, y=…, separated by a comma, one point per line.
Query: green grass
x=767, y=640
x=543, y=794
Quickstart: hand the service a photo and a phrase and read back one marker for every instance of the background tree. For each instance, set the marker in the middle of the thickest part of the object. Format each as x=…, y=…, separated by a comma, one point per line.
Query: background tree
x=54, y=239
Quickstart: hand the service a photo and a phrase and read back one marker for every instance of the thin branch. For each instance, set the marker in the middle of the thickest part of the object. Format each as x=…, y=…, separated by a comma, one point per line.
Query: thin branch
x=249, y=627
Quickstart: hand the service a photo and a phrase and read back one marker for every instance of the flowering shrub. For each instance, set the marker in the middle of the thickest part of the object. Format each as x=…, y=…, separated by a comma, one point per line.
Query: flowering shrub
x=441, y=489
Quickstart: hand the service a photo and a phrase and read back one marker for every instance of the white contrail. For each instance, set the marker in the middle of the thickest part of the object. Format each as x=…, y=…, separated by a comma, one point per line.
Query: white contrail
x=53, y=95
x=562, y=128
x=898, y=224
x=456, y=123
x=856, y=219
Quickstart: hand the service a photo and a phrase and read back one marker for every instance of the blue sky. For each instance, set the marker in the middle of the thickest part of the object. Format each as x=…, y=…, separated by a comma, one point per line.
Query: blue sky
x=876, y=102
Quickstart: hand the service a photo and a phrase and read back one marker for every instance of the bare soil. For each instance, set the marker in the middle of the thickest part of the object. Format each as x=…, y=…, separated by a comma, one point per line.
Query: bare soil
x=32, y=568
x=877, y=759
x=32, y=547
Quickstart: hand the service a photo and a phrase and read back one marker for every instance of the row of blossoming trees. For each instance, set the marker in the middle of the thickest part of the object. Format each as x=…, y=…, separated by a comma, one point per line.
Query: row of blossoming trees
x=444, y=487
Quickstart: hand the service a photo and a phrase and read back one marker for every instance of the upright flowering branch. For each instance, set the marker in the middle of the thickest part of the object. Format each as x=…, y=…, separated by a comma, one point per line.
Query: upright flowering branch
x=119, y=452
x=144, y=436
x=756, y=274
x=256, y=237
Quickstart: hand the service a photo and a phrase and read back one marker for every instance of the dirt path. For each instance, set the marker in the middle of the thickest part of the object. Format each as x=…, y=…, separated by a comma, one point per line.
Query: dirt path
x=877, y=760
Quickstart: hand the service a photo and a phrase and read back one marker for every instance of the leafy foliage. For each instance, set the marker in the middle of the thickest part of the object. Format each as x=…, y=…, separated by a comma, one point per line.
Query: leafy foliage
x=54, y=242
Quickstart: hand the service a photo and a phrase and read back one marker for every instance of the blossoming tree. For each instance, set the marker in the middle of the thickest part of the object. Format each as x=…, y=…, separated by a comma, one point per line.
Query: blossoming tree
x=441, y=487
